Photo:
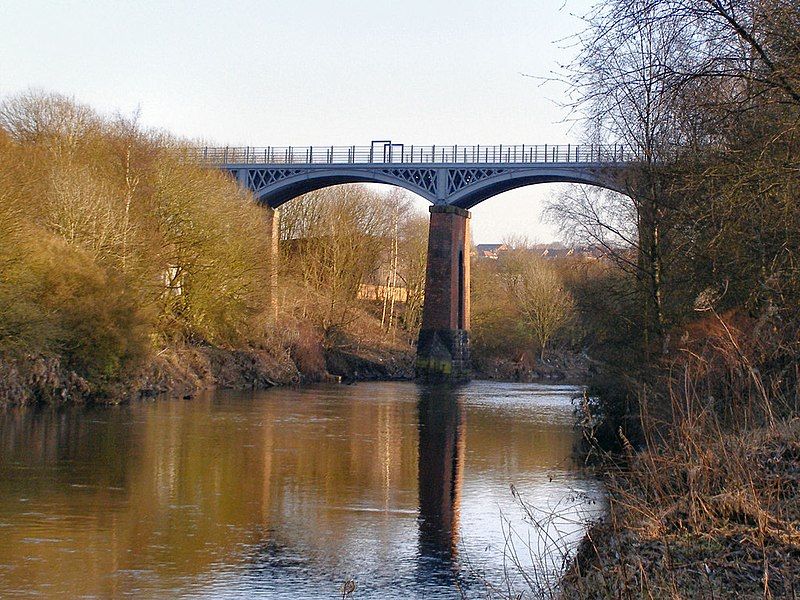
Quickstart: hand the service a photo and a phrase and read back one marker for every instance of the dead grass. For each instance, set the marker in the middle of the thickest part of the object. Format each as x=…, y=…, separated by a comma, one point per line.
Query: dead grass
x=712, y=519
x=710, y=508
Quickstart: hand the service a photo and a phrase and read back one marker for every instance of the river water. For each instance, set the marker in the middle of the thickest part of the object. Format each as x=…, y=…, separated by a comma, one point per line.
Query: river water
x=405, y=491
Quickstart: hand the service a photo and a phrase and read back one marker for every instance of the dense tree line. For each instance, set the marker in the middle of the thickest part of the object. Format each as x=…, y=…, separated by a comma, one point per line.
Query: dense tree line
x=707, y=93
x=338, y=240
x=116, y=245
x=696, y=327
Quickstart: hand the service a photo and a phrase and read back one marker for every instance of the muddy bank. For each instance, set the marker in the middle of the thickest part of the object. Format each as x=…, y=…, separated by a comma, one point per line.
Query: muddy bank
x=176, y=371
x=185, y=370
x=31, y=380
x=371, y=365
x=560, y=368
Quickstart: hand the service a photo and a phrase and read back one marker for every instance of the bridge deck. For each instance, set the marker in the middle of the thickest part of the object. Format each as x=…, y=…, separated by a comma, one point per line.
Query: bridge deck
x=388, y=153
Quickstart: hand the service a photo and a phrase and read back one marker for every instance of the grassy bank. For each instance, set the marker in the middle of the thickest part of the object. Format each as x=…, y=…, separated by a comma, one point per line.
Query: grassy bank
x=693, y=409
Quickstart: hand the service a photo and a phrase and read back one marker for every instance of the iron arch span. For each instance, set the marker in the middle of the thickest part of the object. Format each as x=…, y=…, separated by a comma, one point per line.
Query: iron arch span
x=471, y=196
x=464, y=187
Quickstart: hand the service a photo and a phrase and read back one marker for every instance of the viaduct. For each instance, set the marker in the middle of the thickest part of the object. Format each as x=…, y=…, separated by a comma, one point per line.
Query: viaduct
x=453, y=179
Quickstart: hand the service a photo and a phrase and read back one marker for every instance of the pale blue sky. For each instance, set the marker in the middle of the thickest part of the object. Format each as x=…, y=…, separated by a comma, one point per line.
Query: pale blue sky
x=311, y=72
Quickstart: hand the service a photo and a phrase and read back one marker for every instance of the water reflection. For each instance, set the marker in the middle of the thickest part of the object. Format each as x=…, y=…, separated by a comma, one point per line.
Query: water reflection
x=441, y=470
x=284, y=493
x=442, y=437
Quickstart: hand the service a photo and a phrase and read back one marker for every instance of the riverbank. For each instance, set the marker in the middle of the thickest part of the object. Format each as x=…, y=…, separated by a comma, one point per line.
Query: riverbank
x=709, y=516
x=187, y=369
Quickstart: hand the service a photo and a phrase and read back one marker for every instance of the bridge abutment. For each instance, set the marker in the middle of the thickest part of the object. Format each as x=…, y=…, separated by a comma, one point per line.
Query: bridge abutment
x=443, y=348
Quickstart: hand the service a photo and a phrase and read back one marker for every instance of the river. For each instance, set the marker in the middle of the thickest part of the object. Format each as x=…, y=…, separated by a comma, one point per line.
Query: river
x=404, y=491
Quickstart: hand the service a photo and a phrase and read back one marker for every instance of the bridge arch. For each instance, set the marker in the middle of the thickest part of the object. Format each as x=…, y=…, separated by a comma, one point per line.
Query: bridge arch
x=418, y=181
x=475, y=193
x=461, y=187
x=453, y=179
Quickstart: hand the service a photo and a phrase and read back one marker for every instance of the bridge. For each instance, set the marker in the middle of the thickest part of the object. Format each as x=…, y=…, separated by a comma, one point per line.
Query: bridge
x=453, y=178
x=461, y=176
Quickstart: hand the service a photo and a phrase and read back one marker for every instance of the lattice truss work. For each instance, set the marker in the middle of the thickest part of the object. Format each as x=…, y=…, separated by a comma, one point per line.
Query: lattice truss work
x=426, y=180
x=258, y=179
x=422, y=178
x=458, y=179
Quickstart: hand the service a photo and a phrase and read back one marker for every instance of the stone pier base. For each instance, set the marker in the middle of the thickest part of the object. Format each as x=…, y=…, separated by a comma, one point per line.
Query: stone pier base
x=443, y=355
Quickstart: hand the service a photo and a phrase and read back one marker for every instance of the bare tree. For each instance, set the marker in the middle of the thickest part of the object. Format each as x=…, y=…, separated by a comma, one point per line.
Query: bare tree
x=336, y=239
x=538, y=294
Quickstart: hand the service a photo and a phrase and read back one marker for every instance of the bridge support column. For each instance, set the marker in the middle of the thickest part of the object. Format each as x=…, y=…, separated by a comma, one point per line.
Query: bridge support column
x=273, y=222
x=443, y=348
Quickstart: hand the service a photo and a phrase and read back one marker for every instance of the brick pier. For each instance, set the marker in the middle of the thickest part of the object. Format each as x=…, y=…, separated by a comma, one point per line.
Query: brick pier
x=443, y=349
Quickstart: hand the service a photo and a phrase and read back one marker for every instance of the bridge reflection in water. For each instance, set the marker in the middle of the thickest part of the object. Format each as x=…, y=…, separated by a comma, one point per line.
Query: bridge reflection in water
x=278, y=494
x=442, y=438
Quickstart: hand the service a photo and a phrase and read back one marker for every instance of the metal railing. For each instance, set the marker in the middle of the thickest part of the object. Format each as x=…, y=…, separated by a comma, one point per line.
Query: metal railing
x=389, y=153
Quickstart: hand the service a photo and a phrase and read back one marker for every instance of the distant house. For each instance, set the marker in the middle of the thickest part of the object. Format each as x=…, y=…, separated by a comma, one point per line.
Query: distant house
x=379, y=292
x=549, y=251
x=490, y=250
x=555, y=250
